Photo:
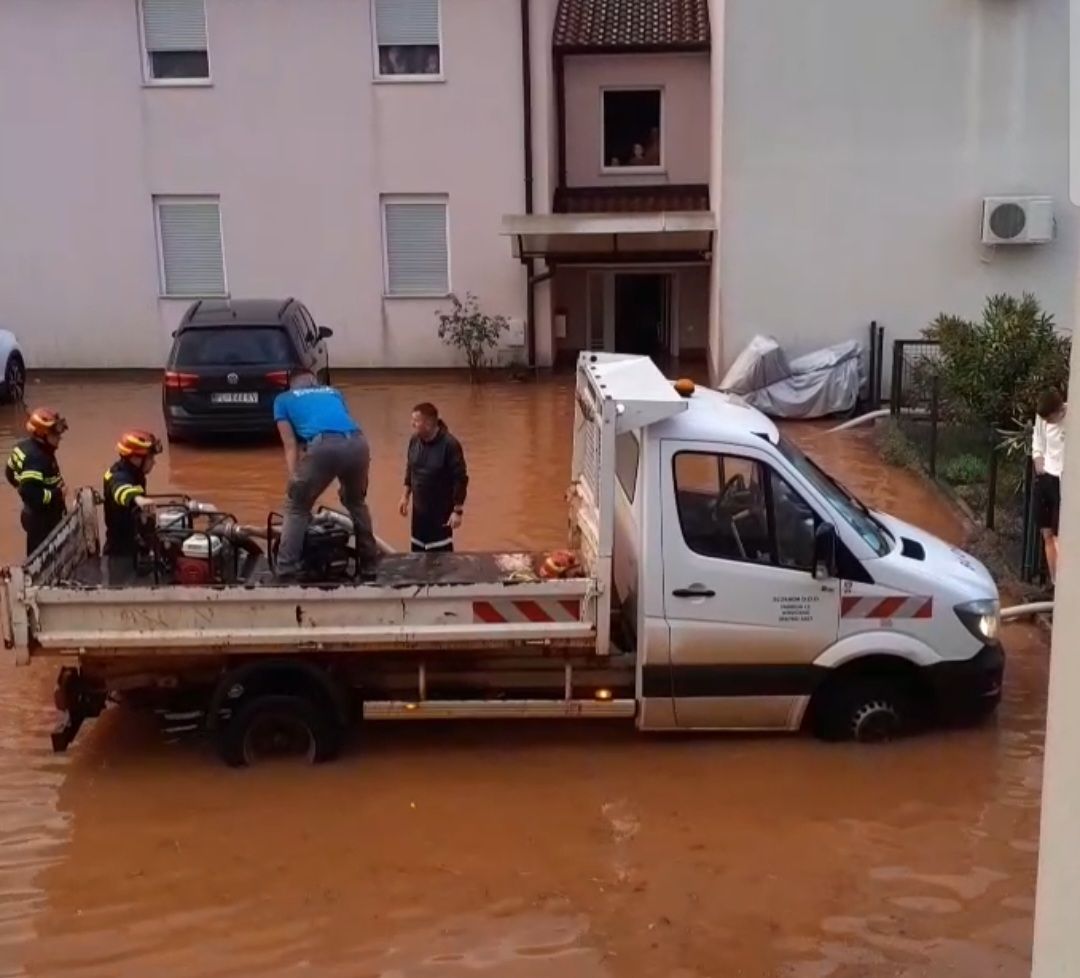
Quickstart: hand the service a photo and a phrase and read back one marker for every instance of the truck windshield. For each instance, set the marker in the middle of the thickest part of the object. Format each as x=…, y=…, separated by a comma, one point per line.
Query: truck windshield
x=845, y=502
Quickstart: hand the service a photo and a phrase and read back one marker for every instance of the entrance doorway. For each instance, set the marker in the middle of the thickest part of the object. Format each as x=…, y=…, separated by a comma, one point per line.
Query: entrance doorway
x=642, y=313
x=632, y=312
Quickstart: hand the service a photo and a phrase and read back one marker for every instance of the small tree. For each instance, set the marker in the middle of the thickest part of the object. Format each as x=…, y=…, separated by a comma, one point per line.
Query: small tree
x=474, y=333
x=993, y=370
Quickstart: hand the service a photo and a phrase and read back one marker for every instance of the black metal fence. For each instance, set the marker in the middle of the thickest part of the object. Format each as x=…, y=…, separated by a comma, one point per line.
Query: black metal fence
x=973, y=461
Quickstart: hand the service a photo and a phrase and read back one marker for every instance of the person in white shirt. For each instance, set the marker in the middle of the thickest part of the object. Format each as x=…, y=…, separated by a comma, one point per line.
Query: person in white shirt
x=1048, y=454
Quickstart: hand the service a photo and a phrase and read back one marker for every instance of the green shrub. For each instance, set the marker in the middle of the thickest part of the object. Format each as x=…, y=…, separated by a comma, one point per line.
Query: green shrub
x=965, y=470
x=992, y=371
x=894, y=446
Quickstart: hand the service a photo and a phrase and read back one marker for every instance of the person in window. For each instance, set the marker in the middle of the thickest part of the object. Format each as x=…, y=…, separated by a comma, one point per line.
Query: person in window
x=436, y=482
x=652, y=147
x=394, y=62
x=32, y=469
x=1048, y=456
x=431, y=63
x=124, y=491
x=637, y=155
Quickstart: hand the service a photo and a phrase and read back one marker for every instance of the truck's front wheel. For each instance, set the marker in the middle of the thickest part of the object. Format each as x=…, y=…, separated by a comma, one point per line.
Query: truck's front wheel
x=276, y=726
x=864, y=709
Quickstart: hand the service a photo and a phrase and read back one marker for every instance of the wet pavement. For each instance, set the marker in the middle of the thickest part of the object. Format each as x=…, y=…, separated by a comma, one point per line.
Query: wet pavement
x=516, y=851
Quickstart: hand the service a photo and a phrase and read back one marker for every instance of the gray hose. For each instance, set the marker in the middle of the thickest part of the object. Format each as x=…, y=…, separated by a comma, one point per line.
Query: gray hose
x=1027, y=610
x=874, y=415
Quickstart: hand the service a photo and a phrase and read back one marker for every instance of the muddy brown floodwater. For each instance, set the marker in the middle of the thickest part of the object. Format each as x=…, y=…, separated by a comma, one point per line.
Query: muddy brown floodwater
x=550, y=851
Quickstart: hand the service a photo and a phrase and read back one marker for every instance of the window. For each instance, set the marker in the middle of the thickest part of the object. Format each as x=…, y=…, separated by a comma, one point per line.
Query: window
x=174, y=34
x=415, y=239
x=407, y=39
x=189, y=243
x=845, y=502
x=627, y=456
x=246, y=346
x=633, y=130
x=733, y=508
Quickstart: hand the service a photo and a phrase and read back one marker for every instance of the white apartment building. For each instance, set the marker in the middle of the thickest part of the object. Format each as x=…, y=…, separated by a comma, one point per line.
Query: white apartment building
x=697, y=170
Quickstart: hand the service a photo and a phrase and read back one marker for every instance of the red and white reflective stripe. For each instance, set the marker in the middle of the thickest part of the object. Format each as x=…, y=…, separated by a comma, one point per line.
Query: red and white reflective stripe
x=877, y=607
x=525, y=612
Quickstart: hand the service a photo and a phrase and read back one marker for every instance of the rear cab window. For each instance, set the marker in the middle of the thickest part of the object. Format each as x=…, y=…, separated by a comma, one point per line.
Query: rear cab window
x=233, y=346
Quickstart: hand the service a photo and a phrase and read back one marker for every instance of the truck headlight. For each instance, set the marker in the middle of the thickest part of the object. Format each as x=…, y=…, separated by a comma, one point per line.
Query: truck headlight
x=981, y=618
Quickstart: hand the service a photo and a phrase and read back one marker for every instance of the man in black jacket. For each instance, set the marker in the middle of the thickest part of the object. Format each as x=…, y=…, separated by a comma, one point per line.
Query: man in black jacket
x=436, y=482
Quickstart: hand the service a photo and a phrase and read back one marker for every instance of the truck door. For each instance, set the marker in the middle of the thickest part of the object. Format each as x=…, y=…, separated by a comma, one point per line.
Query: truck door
x=745, y=614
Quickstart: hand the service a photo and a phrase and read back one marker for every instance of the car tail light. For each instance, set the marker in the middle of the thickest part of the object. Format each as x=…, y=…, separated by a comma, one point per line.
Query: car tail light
x=279, y=378
x=180, y=382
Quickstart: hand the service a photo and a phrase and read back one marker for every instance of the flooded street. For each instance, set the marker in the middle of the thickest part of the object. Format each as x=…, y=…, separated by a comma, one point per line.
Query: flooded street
x=516, y=851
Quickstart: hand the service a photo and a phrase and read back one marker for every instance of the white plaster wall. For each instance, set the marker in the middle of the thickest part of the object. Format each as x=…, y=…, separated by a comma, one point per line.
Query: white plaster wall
x=859, y=137
x=295, y=138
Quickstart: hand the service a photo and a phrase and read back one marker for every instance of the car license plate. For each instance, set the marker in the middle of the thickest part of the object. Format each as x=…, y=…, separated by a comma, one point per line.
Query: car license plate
x=230, y=397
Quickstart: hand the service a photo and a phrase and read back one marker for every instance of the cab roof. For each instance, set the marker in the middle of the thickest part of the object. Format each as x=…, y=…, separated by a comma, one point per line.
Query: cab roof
x=645, y=398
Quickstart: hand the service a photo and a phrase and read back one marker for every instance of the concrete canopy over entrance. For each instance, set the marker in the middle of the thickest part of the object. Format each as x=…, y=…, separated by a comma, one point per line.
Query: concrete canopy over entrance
x=668, y=236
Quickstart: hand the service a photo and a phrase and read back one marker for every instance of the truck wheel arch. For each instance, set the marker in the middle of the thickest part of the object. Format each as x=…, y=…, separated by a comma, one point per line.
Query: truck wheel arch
x=851, y=648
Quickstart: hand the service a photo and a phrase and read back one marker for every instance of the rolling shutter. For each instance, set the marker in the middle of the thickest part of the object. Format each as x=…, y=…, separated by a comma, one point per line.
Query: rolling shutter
x=192, y=257
x=405, y=23
x=174, y=25
x=417, y=259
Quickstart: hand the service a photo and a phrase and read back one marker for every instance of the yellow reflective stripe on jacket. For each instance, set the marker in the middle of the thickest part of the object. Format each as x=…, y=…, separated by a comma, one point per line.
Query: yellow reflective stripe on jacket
x=30, y=474
x=46, y=496
x=53, y=480
x=18, y=454
x=125, y=494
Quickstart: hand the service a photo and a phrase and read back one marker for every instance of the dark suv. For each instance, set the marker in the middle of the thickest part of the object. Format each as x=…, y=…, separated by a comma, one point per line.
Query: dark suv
x=231, y=357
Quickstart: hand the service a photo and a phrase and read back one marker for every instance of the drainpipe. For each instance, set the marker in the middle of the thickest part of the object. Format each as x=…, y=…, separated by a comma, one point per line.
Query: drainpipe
x=527, y=131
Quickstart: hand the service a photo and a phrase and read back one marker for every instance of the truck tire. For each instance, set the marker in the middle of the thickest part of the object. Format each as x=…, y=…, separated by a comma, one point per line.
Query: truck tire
x=865, y=709
x=276, y=723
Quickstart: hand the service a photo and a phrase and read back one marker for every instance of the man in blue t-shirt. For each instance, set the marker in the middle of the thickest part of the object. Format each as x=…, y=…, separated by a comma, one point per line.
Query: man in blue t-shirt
x=322, y=443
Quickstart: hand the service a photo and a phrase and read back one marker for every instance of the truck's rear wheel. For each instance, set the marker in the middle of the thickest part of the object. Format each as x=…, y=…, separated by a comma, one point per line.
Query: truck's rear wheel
x=865, y=709
x=279, y=726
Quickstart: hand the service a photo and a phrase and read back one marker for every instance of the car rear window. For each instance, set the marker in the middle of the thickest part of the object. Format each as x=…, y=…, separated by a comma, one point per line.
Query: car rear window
x=233, y=346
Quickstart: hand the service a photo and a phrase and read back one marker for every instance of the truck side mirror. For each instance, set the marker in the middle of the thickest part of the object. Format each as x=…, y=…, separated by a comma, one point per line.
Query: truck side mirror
x=824, y=552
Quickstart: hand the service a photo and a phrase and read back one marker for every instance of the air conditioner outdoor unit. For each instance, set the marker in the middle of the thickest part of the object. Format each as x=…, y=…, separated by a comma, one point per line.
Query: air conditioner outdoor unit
x=1017, y=220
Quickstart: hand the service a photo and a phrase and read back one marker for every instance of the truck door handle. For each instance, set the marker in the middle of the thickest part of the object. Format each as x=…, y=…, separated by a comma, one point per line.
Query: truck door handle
x=693, y=592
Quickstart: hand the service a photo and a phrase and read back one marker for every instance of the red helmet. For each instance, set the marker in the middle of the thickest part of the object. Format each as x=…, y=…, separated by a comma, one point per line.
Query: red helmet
x=45, y=421
x=138, y=444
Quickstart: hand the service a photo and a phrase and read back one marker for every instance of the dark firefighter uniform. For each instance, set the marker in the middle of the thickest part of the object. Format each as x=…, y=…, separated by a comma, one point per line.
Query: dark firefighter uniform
x=436, y=474
x=124, y=483
x=32, y=469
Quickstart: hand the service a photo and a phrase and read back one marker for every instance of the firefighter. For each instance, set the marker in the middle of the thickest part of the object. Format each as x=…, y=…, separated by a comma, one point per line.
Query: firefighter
x=124, y=491
x=32, y=469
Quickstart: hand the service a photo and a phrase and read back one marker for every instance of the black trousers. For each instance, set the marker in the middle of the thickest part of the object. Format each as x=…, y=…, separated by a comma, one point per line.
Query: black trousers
x=38, y=525
x=430, y=534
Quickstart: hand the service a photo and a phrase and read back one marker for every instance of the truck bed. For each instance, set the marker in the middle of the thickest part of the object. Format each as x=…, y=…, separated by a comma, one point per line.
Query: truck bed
x=68, y=600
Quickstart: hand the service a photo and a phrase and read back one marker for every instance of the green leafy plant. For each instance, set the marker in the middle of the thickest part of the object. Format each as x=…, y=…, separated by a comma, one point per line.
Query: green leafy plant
x=895, y=447
x=993, y=370
x=965, y=470
x=471, y=331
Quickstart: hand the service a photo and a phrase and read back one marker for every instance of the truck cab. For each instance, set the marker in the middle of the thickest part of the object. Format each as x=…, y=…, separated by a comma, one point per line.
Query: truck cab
x=762, y=594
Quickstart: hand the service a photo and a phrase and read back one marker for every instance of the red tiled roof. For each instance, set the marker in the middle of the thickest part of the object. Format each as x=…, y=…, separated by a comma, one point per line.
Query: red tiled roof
x=626, y=25
x=631, y=200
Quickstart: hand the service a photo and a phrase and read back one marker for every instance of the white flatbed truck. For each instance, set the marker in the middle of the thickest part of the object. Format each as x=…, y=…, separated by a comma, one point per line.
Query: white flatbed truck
x=726, y=583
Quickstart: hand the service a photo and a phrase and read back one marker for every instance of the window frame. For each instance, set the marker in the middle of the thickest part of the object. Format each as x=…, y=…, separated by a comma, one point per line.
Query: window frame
x=187, y=200
x=769, y=472
x=380, y=79
x=149, y=81
x=605, y=168
x=434, y=198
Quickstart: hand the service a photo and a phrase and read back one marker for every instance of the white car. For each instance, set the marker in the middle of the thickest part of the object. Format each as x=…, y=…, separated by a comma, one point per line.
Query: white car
x=13, y=379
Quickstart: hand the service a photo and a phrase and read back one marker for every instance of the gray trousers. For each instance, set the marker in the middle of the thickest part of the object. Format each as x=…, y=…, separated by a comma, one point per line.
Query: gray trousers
x=329, y=457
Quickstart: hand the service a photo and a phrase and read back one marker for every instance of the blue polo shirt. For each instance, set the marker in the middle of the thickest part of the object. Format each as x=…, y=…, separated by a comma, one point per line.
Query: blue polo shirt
x=314, y=411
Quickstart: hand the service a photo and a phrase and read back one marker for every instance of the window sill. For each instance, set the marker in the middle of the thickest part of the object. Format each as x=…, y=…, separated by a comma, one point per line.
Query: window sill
x=178, y=83
x=417, y=295
x=192, y=298
x=625, y=171
x=409, y=80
